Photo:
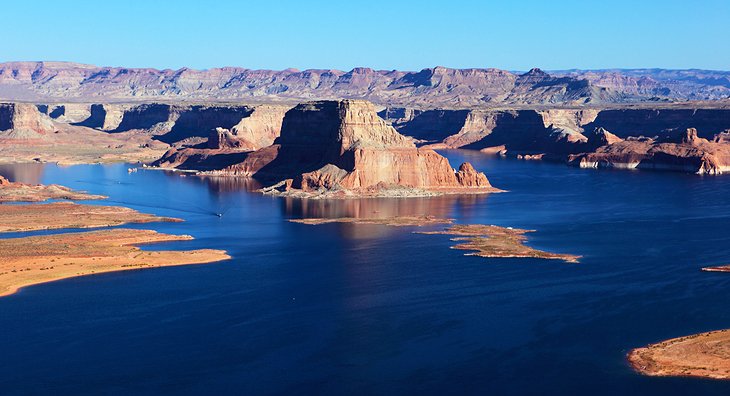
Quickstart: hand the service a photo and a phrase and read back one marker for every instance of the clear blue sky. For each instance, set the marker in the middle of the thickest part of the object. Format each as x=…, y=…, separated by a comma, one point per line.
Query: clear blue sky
x=405, y=35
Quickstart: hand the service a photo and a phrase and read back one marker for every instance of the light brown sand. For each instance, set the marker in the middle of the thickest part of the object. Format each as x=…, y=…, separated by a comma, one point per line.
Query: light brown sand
x=700, y=355
x=494, y=241
x=58, y=215
x=38, y=259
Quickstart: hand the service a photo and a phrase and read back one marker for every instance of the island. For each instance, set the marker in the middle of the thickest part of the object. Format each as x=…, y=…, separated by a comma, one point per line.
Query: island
x=495, y=241
x=482, y=240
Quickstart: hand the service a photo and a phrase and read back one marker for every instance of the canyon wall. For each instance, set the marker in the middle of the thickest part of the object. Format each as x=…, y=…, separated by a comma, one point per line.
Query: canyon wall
x=436, y=87
x=173, y=123
x=550, y=130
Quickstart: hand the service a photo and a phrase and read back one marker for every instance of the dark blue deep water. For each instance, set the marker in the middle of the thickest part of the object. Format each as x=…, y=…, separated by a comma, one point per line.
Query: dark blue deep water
x=372, y=310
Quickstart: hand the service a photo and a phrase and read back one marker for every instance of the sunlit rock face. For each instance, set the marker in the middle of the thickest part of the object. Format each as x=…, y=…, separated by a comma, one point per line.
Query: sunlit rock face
x=346, y=145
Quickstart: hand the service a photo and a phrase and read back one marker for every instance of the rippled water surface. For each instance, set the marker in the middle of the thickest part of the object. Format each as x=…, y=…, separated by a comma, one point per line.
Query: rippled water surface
x=368, y=309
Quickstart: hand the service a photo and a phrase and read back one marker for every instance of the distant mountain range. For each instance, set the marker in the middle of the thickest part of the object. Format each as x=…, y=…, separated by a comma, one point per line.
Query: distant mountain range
x=437, y=87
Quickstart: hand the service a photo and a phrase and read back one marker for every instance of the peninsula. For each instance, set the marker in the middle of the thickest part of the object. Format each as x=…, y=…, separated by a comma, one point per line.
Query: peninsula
x=704, y=355
x=38, y=259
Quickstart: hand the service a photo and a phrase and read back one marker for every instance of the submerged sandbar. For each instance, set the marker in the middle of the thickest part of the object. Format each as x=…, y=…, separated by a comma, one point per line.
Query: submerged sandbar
x=704, y=355
x=38, y=259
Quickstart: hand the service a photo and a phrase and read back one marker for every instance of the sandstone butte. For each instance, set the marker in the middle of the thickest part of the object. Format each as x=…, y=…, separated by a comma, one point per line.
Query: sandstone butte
x=38, y=259
x=21, y=192
x=704, y=355
x=339, y=149
x=57, y=215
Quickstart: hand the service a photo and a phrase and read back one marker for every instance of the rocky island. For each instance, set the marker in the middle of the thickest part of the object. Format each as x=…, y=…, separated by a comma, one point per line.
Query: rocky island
x=495, y=241
x=482, y=240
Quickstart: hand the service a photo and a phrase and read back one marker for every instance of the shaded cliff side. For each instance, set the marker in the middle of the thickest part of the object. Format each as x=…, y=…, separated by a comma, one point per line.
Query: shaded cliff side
x=550, y=130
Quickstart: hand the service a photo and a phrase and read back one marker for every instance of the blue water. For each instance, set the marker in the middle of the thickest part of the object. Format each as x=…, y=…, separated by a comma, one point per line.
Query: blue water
x=371, y=310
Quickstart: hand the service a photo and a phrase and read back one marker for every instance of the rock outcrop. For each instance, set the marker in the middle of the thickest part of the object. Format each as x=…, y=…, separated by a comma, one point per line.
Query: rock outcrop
x=599, y=138
x=684, y=151
x=23, y=121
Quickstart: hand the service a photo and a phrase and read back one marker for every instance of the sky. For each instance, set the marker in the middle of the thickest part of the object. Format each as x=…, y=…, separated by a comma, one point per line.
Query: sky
x=403, y=35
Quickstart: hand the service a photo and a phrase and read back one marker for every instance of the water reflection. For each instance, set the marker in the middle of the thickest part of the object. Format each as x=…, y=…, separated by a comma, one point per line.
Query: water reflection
x=220, y=184
x=441, y=206
x=30, y=173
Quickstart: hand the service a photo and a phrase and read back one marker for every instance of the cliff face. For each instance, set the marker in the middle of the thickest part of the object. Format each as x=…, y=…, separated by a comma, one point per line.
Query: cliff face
x=552, y=131
x=437, y=87
x=658, y=122
x=23, y=121
x=258, y=125
x=682, y=151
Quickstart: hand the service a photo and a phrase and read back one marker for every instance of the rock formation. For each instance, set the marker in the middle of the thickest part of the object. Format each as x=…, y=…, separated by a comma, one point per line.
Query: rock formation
x=344, y=146
x=684, y=151
x=23, y=121
x=599, y=138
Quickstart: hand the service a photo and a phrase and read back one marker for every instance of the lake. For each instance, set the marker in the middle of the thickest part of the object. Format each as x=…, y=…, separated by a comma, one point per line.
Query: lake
x=370, y=309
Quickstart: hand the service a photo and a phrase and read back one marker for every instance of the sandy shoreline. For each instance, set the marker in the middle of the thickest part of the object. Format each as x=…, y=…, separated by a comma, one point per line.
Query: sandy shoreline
x=40, y=259
x=59, y=215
